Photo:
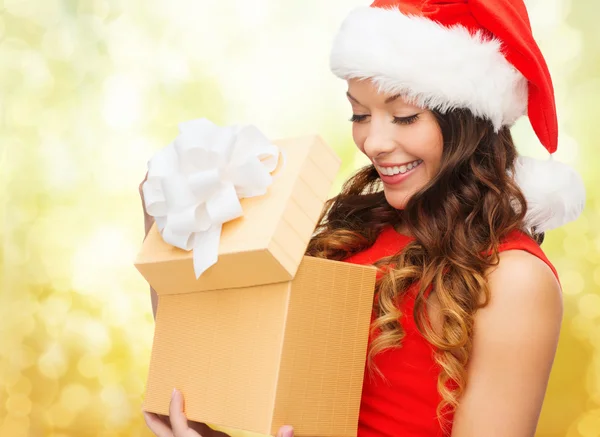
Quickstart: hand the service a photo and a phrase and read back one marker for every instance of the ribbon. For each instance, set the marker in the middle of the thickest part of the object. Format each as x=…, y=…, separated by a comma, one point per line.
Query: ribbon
x=195, y=184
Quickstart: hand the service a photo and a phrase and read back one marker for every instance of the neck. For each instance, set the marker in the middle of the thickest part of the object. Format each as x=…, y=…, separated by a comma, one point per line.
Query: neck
x=402, y=229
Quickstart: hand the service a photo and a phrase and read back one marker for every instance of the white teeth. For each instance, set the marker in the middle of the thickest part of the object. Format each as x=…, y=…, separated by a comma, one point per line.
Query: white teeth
x=391, y=171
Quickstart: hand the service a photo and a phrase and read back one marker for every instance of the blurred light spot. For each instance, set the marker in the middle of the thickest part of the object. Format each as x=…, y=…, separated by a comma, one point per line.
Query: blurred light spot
x=252, y=14
x=97, y=337
x=589, y=306
x=60, y=417
x=18, y=405
x=24, y=113
x=58, y=43
x=89, y=366
x=546, y=14
x=109, y=375
x=9, y=375
x=568, y=152
x=122, y=101
x=173, y=65
x=118, y=311
x=59, y=165
x=596, y=276
x=37, y=76
x=55, y=309
x=20, y=8
x=21, y=387
x=15, y=426
x=597, y=240
x=120, y=409
x=23, y=357
x=53, y=362
x=97, y=259
x=99, y=8
x=360, y=160
x=589, y=425
x=573, y=282
x=582, y=326
x=593, y=384
x=75, y=397
x=25, y=325
x=127, y=156
x=88, y=332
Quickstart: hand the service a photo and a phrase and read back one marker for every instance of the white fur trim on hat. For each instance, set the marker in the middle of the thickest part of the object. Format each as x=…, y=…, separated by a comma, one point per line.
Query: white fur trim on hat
x=432, y=65
x=555, y=192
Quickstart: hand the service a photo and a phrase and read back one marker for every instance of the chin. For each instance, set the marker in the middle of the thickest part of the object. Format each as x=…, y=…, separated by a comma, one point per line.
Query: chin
x=397, y=200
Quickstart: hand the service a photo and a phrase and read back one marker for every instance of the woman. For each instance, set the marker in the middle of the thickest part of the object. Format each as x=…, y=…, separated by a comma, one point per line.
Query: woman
x=467, y=309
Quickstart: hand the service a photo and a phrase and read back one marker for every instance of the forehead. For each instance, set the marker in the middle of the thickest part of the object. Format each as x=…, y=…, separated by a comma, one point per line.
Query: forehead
x=365, y=92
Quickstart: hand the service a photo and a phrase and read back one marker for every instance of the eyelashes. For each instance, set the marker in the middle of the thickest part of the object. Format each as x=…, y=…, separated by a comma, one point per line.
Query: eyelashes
x=406, y=120
x=357, y=118
x=397, y=120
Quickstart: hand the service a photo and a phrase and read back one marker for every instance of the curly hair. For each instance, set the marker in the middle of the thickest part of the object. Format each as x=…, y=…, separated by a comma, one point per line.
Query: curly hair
x=457, y=220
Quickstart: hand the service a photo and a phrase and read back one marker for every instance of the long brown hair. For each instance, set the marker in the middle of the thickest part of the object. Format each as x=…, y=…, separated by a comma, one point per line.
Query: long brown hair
x=457, y=221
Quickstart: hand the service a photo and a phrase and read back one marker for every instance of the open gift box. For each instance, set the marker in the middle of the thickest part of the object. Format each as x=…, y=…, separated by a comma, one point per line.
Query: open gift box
x=266, y=336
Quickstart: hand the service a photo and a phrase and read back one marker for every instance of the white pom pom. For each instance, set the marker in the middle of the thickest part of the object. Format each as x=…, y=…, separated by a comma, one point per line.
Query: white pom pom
x=554, y=192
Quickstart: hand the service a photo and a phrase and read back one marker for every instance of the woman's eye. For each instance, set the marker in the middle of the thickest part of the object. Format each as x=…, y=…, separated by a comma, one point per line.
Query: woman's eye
x=406, y=120
x=358, y=118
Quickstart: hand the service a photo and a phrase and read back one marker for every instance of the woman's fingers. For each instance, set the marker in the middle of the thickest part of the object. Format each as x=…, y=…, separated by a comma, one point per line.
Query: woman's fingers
x=285, y=431
x=179, y=423
x=157, y=426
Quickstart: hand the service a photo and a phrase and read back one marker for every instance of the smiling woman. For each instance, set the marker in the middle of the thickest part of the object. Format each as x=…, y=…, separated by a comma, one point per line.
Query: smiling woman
x=76, y=322
x=467, y=310
x=404, y=142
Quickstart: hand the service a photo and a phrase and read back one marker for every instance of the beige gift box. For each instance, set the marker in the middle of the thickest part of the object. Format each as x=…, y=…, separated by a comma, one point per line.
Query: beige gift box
x=266, y=336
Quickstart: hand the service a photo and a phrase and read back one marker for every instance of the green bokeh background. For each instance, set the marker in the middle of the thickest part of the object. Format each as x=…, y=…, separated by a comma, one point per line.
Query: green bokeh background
x=90, y=89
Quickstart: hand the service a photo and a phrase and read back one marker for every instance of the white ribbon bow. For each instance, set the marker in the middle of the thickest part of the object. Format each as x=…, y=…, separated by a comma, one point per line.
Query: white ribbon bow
x=195, y=184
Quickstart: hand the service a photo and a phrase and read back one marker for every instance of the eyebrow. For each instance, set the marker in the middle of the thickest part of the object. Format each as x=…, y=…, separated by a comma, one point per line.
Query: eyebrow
x=388, y=100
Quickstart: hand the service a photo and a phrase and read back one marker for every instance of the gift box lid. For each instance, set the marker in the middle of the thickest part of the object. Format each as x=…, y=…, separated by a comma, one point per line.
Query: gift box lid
x=266, y=244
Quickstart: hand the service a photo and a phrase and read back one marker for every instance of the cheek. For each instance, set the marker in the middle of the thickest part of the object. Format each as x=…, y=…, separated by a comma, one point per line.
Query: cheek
x=431, y=152
x=358, y=136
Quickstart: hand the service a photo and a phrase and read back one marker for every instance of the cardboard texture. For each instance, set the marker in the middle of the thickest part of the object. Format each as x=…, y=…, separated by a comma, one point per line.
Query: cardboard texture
x=273, y=232
x=261, y=357
x=267, y=336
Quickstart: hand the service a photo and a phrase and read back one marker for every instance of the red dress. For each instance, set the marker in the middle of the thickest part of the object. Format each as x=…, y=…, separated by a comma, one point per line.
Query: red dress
x=405, y=405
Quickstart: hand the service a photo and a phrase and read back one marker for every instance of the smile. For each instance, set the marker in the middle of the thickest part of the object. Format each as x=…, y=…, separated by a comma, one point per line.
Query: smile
x=400, y=169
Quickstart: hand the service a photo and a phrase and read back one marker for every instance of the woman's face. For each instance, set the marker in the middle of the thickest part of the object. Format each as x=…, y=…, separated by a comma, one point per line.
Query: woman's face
x=403, y=141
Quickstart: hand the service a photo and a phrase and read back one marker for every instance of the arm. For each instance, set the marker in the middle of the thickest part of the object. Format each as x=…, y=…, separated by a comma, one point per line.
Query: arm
x=514, y=343
x=148, y=222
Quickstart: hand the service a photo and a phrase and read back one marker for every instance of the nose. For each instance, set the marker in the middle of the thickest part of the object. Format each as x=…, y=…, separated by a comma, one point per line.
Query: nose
x=380, y=139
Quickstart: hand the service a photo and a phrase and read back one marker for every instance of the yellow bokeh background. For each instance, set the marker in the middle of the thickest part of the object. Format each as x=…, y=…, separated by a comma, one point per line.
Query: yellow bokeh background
x=90, y=89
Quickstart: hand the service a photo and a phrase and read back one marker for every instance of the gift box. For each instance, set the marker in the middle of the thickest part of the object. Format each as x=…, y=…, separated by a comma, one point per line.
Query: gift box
x=265, y=336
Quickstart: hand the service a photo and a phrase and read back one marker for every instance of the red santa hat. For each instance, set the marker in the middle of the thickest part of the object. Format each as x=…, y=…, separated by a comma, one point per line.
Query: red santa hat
x=474, y=54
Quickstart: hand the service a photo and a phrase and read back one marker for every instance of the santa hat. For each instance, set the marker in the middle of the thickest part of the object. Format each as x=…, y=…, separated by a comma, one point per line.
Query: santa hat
x=474, y=54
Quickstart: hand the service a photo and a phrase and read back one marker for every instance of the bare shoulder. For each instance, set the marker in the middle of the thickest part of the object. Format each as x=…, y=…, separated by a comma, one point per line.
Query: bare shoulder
x=522, y=281
x=525, y=308
x=514, y=343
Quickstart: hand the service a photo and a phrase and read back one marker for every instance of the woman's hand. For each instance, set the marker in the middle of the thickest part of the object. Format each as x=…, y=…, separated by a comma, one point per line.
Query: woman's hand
x=177, y=425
